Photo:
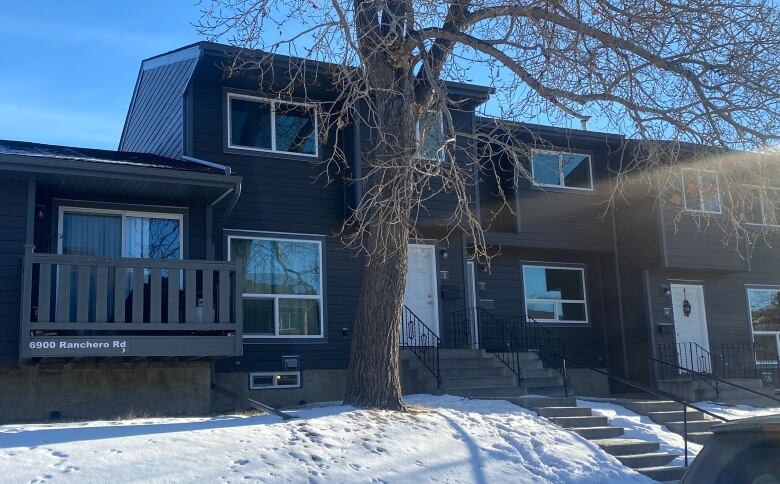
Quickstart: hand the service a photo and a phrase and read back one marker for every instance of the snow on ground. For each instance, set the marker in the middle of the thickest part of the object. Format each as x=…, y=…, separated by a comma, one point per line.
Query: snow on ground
x=446, y=439
x=641, y=427
x=736, y=411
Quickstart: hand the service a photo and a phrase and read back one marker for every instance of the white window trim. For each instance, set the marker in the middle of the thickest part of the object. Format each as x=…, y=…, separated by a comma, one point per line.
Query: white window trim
x=555, y=302
x=273, y=103
x=273, y=375
x=762, y=205
x=124, y=214
x=753, y=333
x=420, y=152
x=318, y=297
x=701, y=192
x=561, y=176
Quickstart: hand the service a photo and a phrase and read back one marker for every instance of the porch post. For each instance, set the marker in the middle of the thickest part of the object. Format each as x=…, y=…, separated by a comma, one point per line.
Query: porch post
x=26, y=290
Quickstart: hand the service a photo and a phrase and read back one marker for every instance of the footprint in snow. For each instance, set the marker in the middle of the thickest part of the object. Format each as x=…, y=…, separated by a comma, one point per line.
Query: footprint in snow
x=241, y=462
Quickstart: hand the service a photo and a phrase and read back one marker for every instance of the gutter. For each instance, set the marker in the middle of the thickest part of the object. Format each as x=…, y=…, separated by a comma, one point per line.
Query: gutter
x=210, y=164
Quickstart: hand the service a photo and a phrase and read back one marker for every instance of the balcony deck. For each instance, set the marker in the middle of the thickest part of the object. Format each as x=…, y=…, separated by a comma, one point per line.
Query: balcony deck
x=88, y=307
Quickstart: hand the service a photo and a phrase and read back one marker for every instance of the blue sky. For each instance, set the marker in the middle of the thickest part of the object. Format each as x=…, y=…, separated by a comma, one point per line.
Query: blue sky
x=69, y=67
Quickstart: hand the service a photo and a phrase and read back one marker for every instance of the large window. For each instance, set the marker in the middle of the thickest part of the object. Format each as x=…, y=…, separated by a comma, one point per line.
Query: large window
x=430, y=136
x=701, y=190
x=282, y=286
x=268, y=125
x=765, y=318
x=563, y=170
x=555, y=294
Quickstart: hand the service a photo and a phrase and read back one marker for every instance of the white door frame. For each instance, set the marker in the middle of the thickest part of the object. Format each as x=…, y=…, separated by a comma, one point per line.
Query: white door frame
x=434, y=325
x=703, y=307
x=471, y=303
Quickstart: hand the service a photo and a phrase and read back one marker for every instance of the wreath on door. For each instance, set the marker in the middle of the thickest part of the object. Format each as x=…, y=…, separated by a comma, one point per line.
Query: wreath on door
x=686, y=307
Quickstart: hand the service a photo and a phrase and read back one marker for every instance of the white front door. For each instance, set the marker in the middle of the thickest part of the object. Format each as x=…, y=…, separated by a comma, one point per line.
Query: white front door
x=421, y=294
x=690, y=325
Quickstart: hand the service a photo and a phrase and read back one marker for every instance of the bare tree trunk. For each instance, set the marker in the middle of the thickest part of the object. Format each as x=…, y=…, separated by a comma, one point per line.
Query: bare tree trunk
x=373, y=379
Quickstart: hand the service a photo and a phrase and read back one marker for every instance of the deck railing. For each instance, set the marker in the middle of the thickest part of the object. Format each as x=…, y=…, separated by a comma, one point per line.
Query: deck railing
x=77, y=306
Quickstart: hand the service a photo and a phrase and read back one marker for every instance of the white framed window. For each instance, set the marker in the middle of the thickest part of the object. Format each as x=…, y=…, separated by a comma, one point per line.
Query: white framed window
x=282, y=293
x=764, y=308
x=431, y=142
x=274, y=379
x=763, y=207
x=260, y=124
x=701, y=190
x=99, y=232
x=555, y=294
x=561, y=169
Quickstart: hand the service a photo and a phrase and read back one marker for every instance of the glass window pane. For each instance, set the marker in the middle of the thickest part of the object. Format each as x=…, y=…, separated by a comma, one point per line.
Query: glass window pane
x=262, y=380
x=431, y=136
x=541, y=283
x=764, y=309
x=250, y=123
x=572, y=312
x=152, y=238
x=576, y=170
x=766, y=347
x=772, y=207
x=541, y=310
x=709, y=189
x=287, y=380
x=691, y=190
x=295, y=129
x=546, y=168
x=752, y=206
x=92, y=234
x=279, y=267
x=258, y=316
x=299, y=317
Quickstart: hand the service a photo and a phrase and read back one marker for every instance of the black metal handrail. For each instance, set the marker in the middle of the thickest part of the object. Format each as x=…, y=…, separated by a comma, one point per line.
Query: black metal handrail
x=689, y=355
x=654, y=392
x=422, y=341
x=737, y=360
x=534, y=337
x=498, y=337
x=715, y=378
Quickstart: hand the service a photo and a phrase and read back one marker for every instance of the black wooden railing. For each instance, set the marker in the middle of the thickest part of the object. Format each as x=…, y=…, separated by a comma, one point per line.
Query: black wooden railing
x=507, y=337
x=422, y=341
x=736, y=360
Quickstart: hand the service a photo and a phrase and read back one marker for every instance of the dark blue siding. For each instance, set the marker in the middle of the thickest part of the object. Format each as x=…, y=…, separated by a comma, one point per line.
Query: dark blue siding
x=13, y=198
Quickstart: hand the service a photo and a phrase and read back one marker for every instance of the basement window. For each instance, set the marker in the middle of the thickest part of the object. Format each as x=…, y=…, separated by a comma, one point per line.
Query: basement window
x=274, y=379
x=260, y=124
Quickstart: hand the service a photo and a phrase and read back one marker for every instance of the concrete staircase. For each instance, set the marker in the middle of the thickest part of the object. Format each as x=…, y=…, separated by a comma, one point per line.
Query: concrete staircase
x=477, y=374
x=670, y=414
x=641, y=455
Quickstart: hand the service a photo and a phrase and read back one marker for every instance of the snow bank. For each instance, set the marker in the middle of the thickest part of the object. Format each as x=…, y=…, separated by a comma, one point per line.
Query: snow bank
x=446, y=439
x=641, y=427
x=737, y=411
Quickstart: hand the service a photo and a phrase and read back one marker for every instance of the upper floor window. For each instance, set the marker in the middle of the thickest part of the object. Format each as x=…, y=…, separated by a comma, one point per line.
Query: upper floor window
x=763, y=207
x=282, y=286
x=563, y=170
x=268, y=125
x=701, y=190
x=430, y=136
x=555, y=294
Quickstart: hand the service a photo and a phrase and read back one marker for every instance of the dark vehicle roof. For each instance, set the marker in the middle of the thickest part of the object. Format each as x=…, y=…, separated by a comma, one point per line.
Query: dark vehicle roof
x=26, y=148
x=769, y=423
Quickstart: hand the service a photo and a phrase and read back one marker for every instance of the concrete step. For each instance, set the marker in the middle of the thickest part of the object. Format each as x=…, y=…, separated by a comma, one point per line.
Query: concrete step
x=646, y=406
x=502, y=392
x=662, y=474
x=699, y=437
x=695, y=426
x=554, y=391
x=563, y=411
x=580, y=421
x=540, y=373
x=618, y=447
x=470, y=363
x=522, y=356
x=478, y=381
x=536, y=401
x=474, y=372
x=674, y=416
x=549, y=381
x=652, y=459
x=457, y=354
x=595, y=433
